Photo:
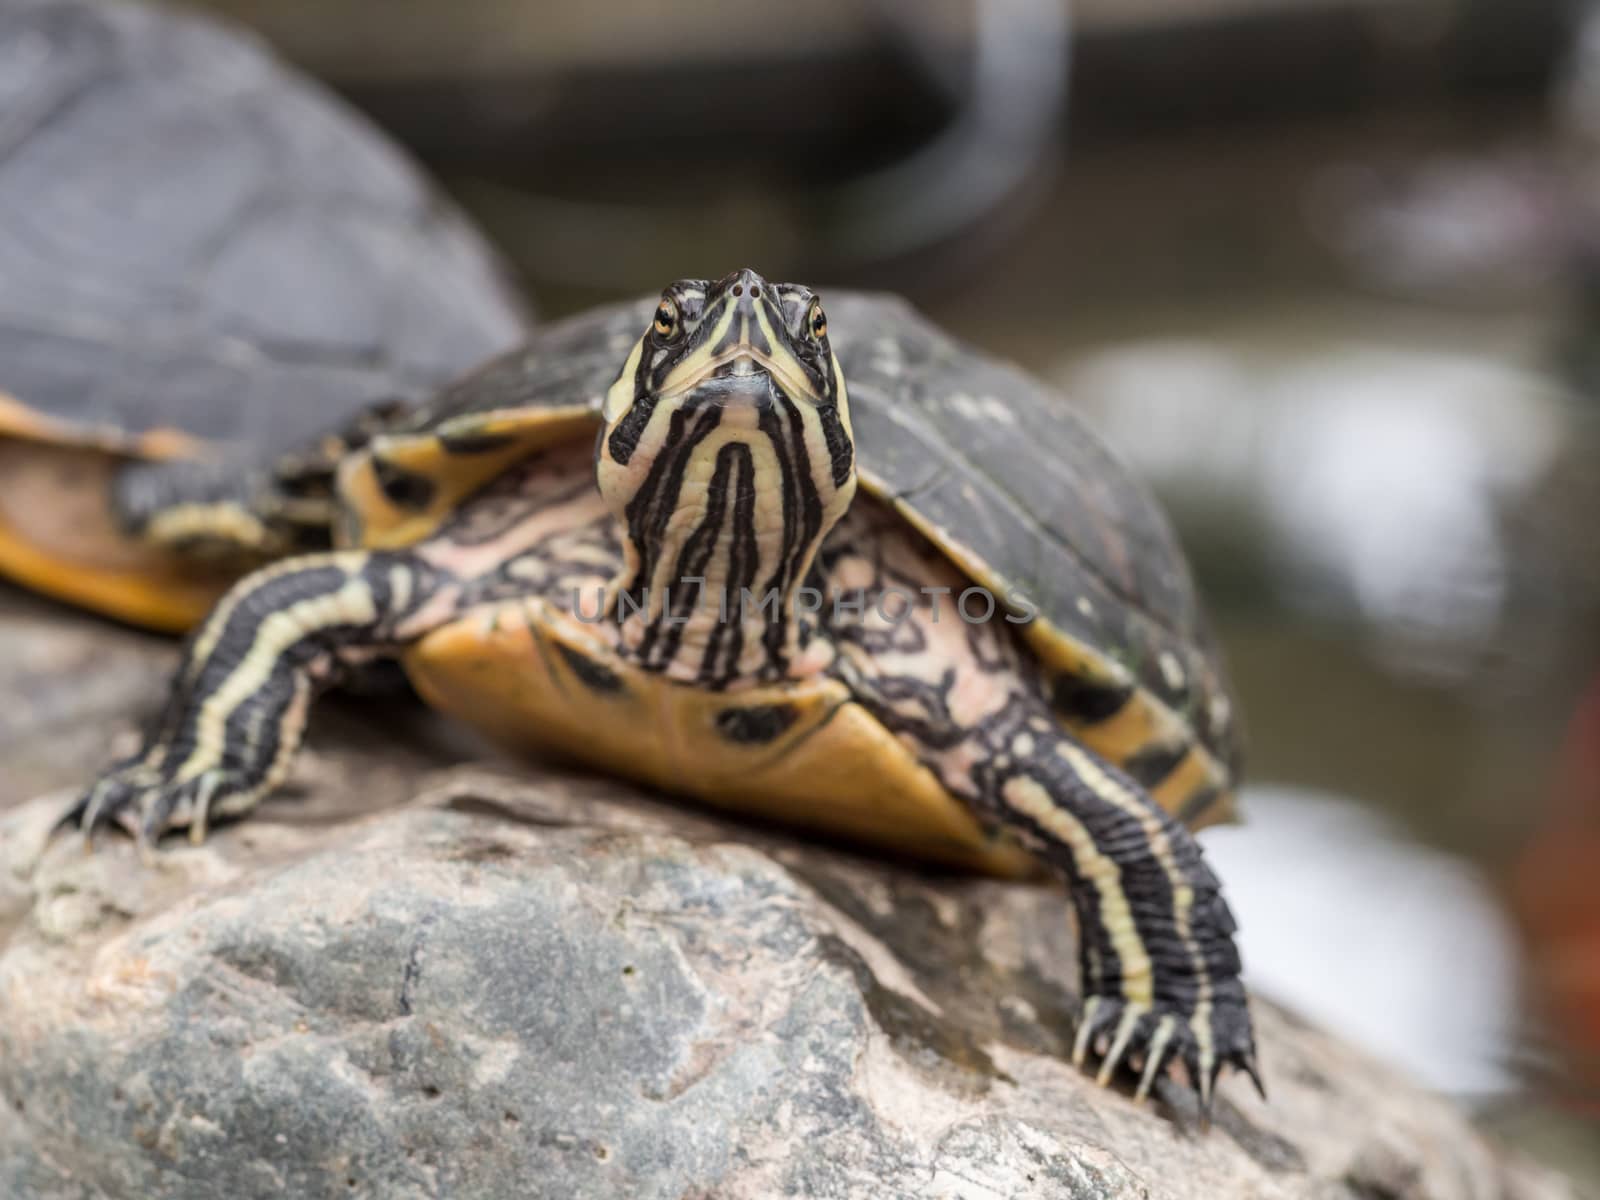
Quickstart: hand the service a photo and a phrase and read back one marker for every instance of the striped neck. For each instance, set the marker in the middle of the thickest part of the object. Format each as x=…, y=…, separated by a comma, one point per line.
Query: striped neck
x=724, y=497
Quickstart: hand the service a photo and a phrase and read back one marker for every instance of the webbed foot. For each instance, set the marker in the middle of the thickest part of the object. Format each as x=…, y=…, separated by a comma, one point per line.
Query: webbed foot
x=1152, y=1036
x=147, y=802
x=237, y=707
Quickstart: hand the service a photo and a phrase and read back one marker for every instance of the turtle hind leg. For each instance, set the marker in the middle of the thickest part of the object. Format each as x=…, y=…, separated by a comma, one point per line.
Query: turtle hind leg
x=237, y=705
x=212, y=511
x=236, y=514
x=1158, y=962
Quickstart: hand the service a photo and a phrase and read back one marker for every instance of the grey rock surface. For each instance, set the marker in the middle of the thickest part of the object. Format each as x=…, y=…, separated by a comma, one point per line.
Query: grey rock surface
x=68, y=686
x=417, y=979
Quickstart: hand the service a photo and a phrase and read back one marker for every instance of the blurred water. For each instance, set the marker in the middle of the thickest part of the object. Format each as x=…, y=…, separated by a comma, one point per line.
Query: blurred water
x=1377, y=478
x=1403, y=949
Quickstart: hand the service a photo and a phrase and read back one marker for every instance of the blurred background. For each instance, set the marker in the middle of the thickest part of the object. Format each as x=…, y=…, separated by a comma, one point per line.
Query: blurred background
x=1327, y=272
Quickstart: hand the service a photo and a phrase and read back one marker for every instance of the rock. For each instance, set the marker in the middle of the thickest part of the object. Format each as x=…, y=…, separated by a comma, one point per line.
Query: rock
x=536, y=984
x=416, y=978
x=67, y=682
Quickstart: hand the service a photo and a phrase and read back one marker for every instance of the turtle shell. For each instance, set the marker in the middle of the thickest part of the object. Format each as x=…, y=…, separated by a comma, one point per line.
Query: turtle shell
x=199, y=246
x=986, y=461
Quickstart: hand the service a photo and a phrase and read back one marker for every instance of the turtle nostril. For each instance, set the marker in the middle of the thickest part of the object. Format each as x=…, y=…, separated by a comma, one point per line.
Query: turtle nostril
x=738, y=289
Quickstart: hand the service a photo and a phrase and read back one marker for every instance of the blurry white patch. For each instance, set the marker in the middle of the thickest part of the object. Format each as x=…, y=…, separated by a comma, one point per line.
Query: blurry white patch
x=493, y=1059
x=981, y=408
x=887, y=356
x=1450, y=223
x=1221, y=711
x=1380, y=475
x=1166, y=406
x=1397, y=947
x=1391, y=474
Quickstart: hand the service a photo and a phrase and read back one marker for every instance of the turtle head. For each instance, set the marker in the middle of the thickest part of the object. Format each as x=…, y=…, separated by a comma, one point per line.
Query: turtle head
x=727, y=456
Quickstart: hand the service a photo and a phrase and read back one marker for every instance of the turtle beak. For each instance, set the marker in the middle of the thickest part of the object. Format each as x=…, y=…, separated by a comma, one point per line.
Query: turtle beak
x=749, y=336
x=740, y=353
x=752, y=347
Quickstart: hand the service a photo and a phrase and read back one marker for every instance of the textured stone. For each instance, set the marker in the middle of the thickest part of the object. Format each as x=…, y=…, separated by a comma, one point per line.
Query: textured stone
x=512, y=988
x=412, y=979
x=66, y=684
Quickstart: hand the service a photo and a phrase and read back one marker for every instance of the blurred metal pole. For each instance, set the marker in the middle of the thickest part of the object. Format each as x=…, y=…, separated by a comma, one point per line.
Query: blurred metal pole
x=1008, y=93
x=1015, y=103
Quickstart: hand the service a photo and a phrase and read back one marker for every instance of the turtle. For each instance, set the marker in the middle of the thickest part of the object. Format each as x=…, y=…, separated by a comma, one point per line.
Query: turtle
x=213, y=275
x=825, y=565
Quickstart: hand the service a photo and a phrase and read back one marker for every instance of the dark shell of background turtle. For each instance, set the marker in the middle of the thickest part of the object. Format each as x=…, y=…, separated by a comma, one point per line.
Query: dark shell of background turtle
x=194, y=237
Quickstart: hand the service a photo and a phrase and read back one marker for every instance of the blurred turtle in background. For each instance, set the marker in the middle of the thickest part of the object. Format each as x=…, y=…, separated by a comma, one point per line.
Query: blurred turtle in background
x=209, y=269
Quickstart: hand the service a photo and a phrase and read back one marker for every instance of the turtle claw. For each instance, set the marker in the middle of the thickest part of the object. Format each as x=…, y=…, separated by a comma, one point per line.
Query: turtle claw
x=1157, y=1056
x=1122, y=1032
x=1132, y=1015
x=104, y=801
x=1248, y=1066
x=1086, y=1030
x=147, y=804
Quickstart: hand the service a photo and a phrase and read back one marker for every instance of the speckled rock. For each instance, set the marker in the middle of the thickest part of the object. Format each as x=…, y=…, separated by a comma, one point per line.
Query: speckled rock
x=503, y=985
x=409, y=977
x=66, y=686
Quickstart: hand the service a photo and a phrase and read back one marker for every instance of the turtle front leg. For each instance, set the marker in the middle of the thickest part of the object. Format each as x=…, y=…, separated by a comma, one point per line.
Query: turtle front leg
x=1157, y=958
x=237, y=706
x=1158, y=965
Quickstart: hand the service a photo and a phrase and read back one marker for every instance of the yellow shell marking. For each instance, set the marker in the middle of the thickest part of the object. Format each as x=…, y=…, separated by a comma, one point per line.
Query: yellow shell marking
x=452, y=474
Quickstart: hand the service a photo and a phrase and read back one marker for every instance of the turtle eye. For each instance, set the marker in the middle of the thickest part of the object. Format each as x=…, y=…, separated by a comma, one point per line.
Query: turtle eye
x=666, y=319
x=817, y=321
